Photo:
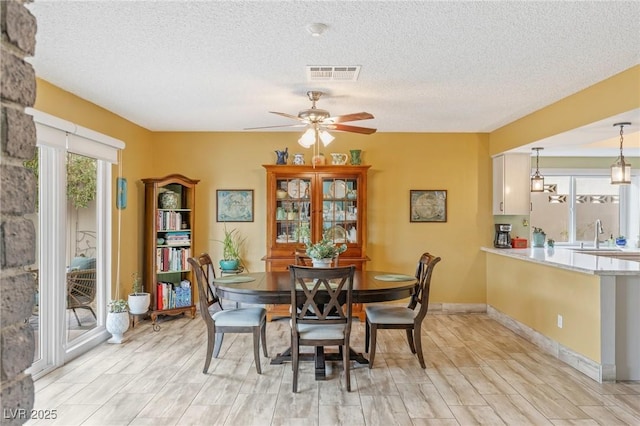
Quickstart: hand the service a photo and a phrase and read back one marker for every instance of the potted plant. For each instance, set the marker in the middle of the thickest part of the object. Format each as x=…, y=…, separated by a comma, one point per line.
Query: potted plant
x=621, y=241
x=538, y=237
x=322, y=252
x=117, y=319
x=138, y=300
x=231, y=246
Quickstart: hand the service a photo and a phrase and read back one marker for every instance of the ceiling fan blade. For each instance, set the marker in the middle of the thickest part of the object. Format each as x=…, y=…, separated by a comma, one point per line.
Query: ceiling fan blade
x=347, y=128
x=272, y=127
x=349, y=117
x=284, y=114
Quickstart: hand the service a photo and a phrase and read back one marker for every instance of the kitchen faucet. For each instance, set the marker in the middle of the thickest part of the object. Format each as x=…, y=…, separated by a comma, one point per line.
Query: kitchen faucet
x=598, y=230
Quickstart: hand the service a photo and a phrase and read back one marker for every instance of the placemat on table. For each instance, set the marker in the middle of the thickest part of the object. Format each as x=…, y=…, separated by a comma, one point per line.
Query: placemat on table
x=234, y=279
x=394, y=277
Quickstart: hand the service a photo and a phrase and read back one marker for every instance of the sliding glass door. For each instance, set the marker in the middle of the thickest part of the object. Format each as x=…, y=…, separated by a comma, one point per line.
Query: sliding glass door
x=73, y=226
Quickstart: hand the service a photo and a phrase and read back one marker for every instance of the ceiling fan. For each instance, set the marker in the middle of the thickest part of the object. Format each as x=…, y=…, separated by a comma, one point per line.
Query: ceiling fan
x=320, y=120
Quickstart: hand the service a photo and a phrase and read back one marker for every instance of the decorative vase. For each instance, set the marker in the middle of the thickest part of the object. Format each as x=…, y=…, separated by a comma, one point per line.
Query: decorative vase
x=355, y=156
x=318, y=160
x=298, y=159
x=229, y=265
x=117, y=324
x=169, y=200
x=321, y=263
x=538, y=239
x=139, y=303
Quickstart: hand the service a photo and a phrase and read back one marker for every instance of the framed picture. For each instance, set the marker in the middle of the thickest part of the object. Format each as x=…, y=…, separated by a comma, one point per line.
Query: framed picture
x=428, y=205
x=234, y=205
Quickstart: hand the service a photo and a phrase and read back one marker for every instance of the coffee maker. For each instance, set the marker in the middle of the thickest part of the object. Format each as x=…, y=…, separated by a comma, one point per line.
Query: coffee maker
x=503, y=238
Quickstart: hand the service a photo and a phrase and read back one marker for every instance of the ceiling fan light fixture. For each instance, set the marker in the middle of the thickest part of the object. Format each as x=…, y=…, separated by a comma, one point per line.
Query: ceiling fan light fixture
x=621, y=170
x=326, y=137
x=308, y=138
x=537, y=180
x=316, y=29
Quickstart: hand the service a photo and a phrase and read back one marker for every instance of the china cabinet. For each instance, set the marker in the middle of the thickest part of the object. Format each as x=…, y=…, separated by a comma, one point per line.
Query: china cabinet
x=308, y=203
x=511, y=190
x=168, y=240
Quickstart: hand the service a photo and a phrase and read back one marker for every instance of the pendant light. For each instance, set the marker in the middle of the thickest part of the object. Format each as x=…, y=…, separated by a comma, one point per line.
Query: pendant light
x=537, y=180
x=621, y=170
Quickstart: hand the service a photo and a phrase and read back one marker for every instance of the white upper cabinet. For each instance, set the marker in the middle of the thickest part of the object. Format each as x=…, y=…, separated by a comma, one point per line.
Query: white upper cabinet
x=511, y=190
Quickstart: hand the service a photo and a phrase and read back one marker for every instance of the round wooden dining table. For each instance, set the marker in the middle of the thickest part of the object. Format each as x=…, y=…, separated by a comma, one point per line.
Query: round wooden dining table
x=274, y=287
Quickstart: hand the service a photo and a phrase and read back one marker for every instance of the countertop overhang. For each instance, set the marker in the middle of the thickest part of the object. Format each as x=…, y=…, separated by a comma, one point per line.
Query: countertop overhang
x=572, y=260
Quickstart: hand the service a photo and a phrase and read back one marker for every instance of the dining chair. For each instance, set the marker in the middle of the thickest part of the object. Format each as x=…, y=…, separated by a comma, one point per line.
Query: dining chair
x=241, y=320
x=324, y=319
x=398, y=317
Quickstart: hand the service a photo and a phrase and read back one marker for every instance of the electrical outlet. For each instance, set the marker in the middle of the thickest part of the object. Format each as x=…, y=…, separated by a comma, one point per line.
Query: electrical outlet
x=559, y=321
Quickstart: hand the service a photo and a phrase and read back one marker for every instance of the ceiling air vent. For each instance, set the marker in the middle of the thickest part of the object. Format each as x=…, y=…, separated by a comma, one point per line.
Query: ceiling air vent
x=333, y=73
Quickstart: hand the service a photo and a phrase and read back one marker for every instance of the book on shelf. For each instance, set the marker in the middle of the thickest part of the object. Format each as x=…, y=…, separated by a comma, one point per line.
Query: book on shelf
x=172, y=259
x=171, y=296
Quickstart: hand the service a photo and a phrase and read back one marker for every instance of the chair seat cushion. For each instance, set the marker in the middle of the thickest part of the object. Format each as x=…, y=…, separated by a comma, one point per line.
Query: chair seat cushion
x=242, y=317
x=321, y=332
x=380, y=314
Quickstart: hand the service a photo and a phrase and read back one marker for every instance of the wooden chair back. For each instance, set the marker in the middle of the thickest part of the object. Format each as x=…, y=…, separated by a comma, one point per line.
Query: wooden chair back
x=324, y=295
x=425, y=267
x=203, y=292
x=209, y=274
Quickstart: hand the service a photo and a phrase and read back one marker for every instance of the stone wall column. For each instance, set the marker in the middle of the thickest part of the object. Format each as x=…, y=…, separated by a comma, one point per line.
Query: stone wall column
x=17, y=198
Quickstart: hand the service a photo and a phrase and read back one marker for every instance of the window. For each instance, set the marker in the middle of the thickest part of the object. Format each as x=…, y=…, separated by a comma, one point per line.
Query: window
x=572, y=201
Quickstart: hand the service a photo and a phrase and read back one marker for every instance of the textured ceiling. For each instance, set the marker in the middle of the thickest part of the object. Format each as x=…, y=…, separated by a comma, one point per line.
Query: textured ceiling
x=426, y=66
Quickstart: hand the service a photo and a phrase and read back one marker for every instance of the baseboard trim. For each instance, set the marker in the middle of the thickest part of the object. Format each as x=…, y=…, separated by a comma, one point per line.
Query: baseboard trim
x=598, y=372
x=457, y=308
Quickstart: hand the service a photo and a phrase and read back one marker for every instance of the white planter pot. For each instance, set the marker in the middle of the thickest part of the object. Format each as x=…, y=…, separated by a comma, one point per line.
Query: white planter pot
x=117, y=324
x=139, y=303
x=321, y=263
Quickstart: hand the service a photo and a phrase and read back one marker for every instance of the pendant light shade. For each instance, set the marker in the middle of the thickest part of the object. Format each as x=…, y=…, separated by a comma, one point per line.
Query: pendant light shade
x=621, y=170
x=326, y=137
x=308, y=138
x=537, y=180
x=313, y=135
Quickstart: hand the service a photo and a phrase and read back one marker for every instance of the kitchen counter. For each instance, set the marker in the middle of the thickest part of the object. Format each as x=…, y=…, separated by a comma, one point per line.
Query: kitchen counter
x=573, y=260
x=581, y=307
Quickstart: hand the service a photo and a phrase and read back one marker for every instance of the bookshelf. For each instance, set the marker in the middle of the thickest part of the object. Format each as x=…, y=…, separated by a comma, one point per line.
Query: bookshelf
x=168, y=243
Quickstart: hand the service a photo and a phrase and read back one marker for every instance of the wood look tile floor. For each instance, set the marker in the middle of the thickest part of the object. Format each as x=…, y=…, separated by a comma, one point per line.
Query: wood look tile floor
x=478, y=372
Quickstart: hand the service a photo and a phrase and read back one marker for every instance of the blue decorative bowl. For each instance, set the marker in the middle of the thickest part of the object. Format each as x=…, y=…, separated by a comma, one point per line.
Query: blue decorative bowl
x=621, y=242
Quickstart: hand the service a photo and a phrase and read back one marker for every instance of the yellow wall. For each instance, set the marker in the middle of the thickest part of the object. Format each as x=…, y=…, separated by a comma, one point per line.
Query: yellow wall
x=535, y=295
x=136, y=165
x=458, y=163
x=607, y=98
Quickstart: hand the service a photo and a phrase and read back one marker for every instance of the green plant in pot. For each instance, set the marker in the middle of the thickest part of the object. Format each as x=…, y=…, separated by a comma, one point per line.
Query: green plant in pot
x=322, y=252
x=138, y=300
x=117, y=319
x=538, y=237
x=231, y=247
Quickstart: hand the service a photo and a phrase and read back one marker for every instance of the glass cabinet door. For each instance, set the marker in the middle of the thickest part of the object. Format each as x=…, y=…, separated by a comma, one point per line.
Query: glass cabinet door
x=340, y=210
x=293, y=210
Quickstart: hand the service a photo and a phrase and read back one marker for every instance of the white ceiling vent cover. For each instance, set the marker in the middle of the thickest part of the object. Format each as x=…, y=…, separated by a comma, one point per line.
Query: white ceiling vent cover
x=333, y=73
